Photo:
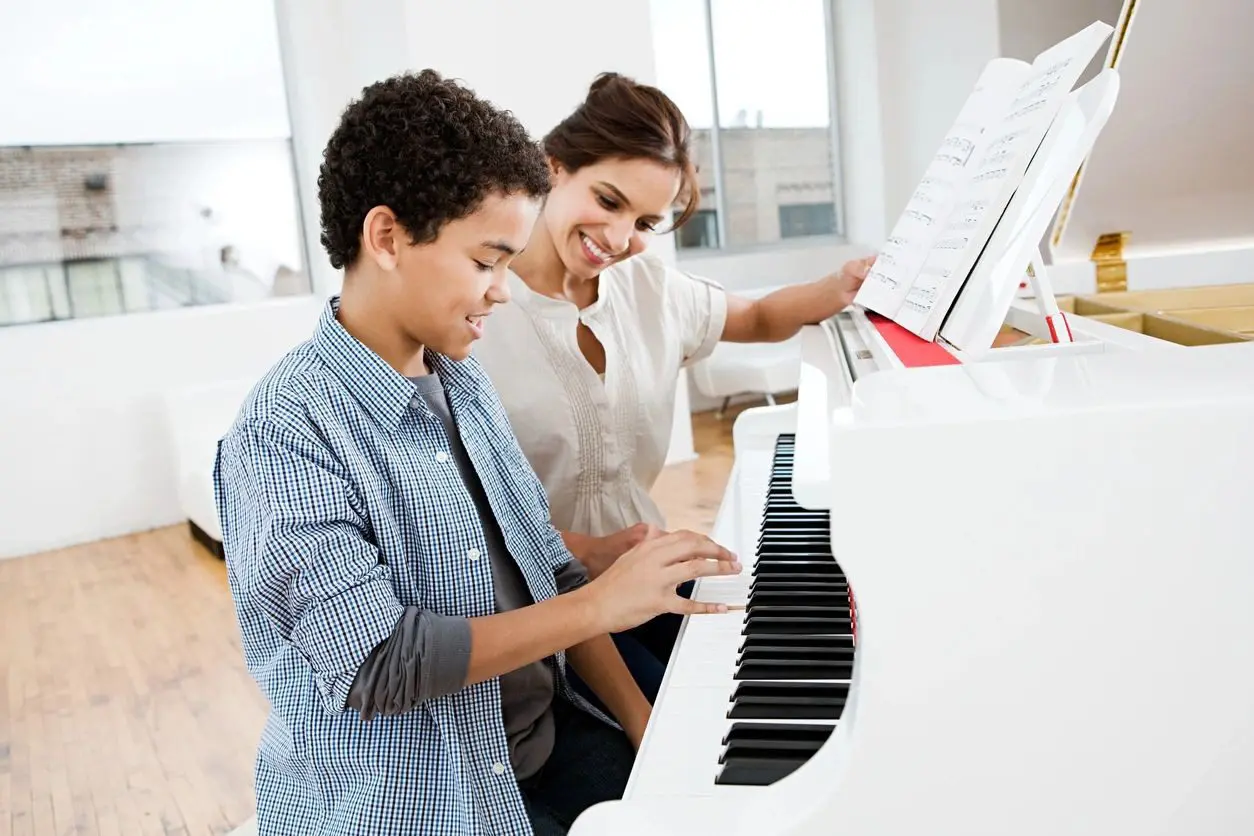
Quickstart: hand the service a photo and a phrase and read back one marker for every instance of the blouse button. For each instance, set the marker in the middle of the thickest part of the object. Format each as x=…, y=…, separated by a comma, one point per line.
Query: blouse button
x=441, y=457
x=473, y=554
x=498, y=768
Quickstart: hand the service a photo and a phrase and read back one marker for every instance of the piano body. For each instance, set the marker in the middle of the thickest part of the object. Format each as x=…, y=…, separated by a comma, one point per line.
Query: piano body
x=991, y=587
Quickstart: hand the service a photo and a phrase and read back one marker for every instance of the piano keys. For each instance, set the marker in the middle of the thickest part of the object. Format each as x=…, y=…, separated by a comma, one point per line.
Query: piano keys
x=795, y=656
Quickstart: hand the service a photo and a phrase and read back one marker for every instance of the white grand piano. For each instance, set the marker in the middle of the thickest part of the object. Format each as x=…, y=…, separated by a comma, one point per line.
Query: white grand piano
x=996, y=582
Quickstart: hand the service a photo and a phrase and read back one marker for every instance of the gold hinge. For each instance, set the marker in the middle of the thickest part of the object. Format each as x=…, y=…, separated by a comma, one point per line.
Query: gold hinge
x=1112, y=270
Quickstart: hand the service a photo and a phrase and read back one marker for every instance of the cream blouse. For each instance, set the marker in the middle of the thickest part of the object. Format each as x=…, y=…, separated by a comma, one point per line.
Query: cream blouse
x=598, y=444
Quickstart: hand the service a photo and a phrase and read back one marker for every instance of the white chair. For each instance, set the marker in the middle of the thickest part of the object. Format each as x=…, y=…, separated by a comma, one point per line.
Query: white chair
x=766, y=369
x=198, y=416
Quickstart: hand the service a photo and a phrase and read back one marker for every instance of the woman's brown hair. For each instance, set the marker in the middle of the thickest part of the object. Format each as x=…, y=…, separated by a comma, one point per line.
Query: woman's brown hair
x=622, y=119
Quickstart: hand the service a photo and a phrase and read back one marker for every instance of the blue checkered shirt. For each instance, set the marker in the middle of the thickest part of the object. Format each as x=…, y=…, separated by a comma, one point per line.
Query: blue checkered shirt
x=341, y=505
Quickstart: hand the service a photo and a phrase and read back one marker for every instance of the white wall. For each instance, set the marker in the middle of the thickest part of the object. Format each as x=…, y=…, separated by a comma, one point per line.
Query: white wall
x=1027, y=27
x=82, y=437
x=930, y=54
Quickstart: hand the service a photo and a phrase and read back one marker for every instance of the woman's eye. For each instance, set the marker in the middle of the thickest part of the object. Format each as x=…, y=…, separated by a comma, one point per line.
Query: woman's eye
x=607, y=203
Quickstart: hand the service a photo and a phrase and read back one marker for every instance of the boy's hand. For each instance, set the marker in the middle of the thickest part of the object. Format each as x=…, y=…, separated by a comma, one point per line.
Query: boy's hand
x=641, y=584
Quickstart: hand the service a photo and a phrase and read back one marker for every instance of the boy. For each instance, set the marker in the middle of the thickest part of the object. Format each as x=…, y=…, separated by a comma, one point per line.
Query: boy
x=403, y=601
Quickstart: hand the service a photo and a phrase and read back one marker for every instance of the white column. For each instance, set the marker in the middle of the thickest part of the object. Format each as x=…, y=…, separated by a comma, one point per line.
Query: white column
x=331, y=50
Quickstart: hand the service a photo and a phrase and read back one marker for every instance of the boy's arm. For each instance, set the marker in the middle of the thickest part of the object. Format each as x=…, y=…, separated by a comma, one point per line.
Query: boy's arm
x=298, y=549
x=297, y=546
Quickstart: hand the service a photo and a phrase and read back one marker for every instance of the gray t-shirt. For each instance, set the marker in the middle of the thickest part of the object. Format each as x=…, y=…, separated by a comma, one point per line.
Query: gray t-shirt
x=429, y=654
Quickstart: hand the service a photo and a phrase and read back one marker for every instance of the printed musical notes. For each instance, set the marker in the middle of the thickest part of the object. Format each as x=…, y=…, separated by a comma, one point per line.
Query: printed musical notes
x=929, y=206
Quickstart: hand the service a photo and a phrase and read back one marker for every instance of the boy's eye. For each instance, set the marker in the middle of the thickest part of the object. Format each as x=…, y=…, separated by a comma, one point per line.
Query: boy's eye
x=483, y=268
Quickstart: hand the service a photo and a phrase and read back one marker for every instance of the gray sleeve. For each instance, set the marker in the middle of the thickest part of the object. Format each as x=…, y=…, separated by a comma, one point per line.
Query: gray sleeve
x=570, y=576
x=426, y=656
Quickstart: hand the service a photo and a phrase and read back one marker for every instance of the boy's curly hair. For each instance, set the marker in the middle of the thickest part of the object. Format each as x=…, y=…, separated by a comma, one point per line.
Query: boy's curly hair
x=427, y=148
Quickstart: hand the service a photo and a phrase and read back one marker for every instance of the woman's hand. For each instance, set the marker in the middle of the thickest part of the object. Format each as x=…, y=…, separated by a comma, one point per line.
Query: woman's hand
x=844, y=286
x=599, y=553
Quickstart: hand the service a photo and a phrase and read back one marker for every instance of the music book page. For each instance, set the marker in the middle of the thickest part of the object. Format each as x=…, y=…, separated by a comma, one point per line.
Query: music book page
x=949, y=219
x=921, y=223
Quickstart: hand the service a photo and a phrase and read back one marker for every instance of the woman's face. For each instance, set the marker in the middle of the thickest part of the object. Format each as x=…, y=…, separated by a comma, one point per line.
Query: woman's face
x=606, y=212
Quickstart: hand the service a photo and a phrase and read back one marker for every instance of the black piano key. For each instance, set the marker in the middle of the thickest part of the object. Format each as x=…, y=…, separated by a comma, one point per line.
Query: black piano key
x=799, y=581
x=797, y=567
x=773, y=669
x=795, y=652
x=799, y=642
x=757, y=772
x=769, y=625
x=771, y=555
x=788, y=700
x=775, y=750
x=753, y=610
x=742, y=731
x=798, y=598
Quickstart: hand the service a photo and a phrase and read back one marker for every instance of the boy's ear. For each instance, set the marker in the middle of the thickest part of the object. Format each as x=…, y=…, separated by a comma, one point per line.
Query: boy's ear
x=381, y=237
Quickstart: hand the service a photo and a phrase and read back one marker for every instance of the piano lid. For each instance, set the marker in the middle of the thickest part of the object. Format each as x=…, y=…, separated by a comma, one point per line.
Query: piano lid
x=1172, y=166
x=974, y=392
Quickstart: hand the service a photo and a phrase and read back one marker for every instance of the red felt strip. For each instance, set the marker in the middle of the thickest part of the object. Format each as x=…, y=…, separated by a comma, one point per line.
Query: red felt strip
x=911, y=349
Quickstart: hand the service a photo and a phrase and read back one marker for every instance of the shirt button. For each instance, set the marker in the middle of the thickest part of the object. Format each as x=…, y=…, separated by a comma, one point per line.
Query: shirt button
x=441, y=457
x=473, y=554
x=498, y=768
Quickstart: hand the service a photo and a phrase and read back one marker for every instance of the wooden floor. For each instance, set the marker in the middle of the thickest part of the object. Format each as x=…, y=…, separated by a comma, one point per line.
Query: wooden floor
x=125, y=706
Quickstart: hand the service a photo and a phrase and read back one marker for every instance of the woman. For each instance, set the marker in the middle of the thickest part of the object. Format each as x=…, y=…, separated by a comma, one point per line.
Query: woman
x=588, y=356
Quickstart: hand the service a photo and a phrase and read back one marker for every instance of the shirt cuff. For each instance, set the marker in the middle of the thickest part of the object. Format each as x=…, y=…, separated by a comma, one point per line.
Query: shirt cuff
x=570, y=576
x=427, y=656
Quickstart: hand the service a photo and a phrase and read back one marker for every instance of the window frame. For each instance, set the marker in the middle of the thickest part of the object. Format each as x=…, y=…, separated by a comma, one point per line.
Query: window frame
x=838, y=236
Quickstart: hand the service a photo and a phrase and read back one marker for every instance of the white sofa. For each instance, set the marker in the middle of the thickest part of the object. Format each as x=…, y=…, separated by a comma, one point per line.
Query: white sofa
x=198, y=416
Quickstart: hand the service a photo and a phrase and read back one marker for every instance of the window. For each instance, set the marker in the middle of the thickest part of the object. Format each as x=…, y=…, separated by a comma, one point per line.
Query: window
x=165, y=180
x=801, y=219
x=754, y=80
x=701, y=230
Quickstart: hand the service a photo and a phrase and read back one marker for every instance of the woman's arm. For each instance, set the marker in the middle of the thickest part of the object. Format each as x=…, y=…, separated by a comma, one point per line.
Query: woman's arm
x=601, y=666
x=779, y=315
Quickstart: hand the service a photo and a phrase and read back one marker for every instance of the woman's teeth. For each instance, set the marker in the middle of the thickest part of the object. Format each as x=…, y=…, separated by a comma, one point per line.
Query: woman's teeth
x=594, y=249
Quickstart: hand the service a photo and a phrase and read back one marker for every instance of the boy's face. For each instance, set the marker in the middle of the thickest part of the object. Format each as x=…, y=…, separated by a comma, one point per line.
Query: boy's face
x=444, y=290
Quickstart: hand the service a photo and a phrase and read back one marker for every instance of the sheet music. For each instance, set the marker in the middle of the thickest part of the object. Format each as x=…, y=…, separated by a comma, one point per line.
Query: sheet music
x=1004, y=154
x=925, y=216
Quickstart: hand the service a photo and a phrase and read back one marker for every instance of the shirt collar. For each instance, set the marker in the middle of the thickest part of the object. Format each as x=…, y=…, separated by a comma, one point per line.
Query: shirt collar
x=382, y=391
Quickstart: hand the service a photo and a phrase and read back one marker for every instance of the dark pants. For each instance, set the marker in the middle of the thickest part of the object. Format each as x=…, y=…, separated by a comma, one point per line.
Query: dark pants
x=590, y=763
x=646, y=650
